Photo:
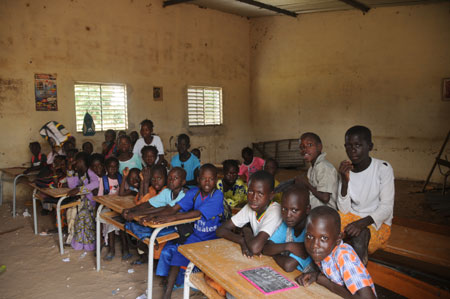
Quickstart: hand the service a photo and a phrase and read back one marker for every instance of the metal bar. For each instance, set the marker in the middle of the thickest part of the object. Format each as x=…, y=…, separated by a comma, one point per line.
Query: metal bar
x=151, y=247
x=357, y=5
x=98, y=249
x=14, y=193
x=187, y=282
x=34, y=212
x=435, y=162
x=58, y=218
x=269, y=7
x=173, y=2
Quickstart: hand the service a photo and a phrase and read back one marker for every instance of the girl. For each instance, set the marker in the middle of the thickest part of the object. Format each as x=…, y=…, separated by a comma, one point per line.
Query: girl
x=186, y=160
x=148, y=138
x=130, y=182
x=84, y=181
x=126, y=157
x=233, y=188
x=109, y=146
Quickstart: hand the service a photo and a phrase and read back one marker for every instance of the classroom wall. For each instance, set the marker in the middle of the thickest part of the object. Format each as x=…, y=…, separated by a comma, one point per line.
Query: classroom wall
x=325, y=72
x=139, y=43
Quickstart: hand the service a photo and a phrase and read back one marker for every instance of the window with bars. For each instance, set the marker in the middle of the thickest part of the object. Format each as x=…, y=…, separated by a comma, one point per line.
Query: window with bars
x=204, y=106
x=107, y=103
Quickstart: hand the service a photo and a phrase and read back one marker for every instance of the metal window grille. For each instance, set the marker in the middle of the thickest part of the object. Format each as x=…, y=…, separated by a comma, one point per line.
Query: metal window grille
x=107, y=103
x=204, y=106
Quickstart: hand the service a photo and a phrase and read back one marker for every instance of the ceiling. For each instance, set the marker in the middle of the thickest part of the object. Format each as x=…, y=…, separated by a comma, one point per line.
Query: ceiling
x=259, y=8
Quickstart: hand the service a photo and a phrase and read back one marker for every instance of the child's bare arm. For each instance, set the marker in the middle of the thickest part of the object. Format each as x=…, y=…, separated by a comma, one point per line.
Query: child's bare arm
x=272, y=249
x=342, y=291
x=176, y=217
x=286, y=262
x=226, y=231
x=122, y=191
x=255, y=243
x=165, y=211
x=322, y=196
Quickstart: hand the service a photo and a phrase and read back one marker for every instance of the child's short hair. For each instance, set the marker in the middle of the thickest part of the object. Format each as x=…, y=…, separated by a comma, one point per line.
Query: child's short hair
x=136, y=171
x=149, y=148
x=271, y=160
x=125, y=137
x=159, y=168
x=210, y=167
x=185, y=138
x=180, y=171
x=264, y=176
x=227, y=164
x=83, y=156
x=72, y=152
x=97, y=157
x=298, y=190
x=86, y=143
x=34, y=144
x=362, y=131
x=311, y=135
x=247, y=151
x=110, y=160
x=326, y=212
x=147, y=122
x=111, y=131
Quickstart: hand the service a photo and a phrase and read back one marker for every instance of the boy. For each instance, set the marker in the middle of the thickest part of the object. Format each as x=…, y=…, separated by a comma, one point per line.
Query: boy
x=341, y=270
x=88, y=148
x=149, y=139
x=186, y=160
x=322, y=177
x=205, y=202
x=38, y=160
x=286, y=244
x=366, y=195
x=251, y=164
x=263, y=215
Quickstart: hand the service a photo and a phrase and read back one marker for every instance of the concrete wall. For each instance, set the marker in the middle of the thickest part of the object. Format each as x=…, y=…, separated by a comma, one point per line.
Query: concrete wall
x=325, y=72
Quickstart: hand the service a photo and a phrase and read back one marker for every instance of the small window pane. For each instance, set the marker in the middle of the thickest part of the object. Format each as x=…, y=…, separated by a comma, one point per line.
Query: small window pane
x=204, y=106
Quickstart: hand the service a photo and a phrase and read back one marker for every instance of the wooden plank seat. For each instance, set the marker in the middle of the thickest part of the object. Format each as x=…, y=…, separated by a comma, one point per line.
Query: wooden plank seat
x=42, y=197
x=198, y=280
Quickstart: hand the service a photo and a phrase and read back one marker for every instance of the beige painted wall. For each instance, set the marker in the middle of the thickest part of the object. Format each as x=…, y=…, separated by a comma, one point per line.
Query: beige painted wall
x=325, y=72
x=134, y=42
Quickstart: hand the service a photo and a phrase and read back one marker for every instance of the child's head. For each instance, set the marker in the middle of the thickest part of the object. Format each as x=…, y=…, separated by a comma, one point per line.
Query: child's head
x=112, y=166
x=158, y=177
x=70, y=155
x=207, y=178
x=88, y=147
x=358, y=144
x=260, y=190
x=310, y=146
x=96, y=163
x=134, y=137
x=124, y=144
x=60, y=164
x=68, y=145
x=110, y=136
x=230, y=171
x=149, y=155
x=121, y=133
x=323, y=232
x=247, y=155
x=176, y=178
x=183, y=143
x=196, y=152
x=146, y=128
x=35, y=148
x=133, y=178
x=295, y=205
x=81, y=163
x=271, y=166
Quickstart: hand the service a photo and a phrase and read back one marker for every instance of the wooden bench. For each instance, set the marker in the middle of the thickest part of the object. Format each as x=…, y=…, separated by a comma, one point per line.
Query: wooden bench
x=198, y=280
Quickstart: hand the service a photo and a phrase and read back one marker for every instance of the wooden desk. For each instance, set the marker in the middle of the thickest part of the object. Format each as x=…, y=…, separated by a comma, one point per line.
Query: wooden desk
x=118, y=204
x=16, y=173
x=222, y=259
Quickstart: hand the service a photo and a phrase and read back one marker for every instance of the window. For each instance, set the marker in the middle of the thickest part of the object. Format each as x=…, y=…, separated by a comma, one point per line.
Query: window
x=107, y=103
x=204, y=106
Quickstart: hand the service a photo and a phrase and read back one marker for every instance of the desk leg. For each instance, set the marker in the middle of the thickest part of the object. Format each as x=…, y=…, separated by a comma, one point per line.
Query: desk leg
x=151, y=247
x=187, y=282
x=14, y=193
x=34, y=212
x=58, y=218
x=98, y=246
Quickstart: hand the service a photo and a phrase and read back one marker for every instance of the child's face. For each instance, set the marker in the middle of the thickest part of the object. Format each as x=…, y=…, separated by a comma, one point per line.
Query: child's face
x=97, y=168
x=59, y=165
x=248, y=158
x=175, y=180
x=294, y=209
x=231, y=175
x=149, y=158
x=357, y=148
x=124, y=145
x=134, y=136
x=88, y=148
x=182, y=146
x=207, y=180
x=112, y=168
x=321, y=238
x=259, y=195
x=158, y=180
x=146, y=131
x=310, y=149
x=134, y=180
x=271, y=167
x=109, y=137
x=80, y=166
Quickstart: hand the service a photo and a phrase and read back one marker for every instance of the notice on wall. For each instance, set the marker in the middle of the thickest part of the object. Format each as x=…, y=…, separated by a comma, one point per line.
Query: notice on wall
x=267, y=280
x=45, y=92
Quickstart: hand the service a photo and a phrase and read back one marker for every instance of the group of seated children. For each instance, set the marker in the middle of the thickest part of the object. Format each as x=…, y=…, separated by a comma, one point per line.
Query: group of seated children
x=304, y=228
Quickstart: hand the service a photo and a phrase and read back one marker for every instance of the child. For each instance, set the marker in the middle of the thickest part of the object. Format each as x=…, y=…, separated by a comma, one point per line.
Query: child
x=263, y=215
x=38, y=160
x=206, y=202
x=271, y=166
x=234, y=189
x=287, y=243
x=97, y=164
x=56, y=150
x=251, y=164
x=127, y=159
x=154, y=183
x=186, y=160
x=87, y=147
x=196, y=152
x=341, y=270
x=130, y=182
x=322, y=177
x=59, y=180
x=366, y=194
x=83, y=181
x=134, y=137
x=149, y=139
x=109, y=147
x=149, y=154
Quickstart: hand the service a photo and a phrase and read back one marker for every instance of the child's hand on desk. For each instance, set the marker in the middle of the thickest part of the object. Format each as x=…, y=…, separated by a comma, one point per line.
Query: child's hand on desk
x=307, y=278
x=146, y=219
x=127, y=214
x=73, y=192
x=164, y=219
x=344, y=170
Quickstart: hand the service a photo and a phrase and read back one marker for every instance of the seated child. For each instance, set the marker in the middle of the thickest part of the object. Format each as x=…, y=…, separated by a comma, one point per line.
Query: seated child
x=154, y=183
x=87, y=147
x=126, y=156
x=109, y=147
x=97, y=164
x=251, y=164
x=186, y=160
x=130, y=182
x=271, y=166
x=205, y=202
x=263, y=215
x=148, y=138
x=234, y=189
x=196, y=153
x=287, y=243
x=134, y=137
x=366, y=195
x=322, y=177
x=149, y=155
x=38, y=160
x=341, y=270
x=56, y=150
x=59, y=180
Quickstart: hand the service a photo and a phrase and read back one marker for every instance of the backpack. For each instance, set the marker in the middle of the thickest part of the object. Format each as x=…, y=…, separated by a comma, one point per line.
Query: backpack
x=88, y=125
x=106, y=183
x=55, y=131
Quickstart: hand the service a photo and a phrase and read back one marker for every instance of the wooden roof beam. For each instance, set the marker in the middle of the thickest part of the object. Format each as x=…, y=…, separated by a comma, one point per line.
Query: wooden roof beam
x=173, y=2
x=357, y=5
x=269, y=7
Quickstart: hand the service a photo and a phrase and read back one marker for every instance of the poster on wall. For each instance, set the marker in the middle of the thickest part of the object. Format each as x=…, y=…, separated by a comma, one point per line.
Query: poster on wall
x=157, y=93
x=45, y=92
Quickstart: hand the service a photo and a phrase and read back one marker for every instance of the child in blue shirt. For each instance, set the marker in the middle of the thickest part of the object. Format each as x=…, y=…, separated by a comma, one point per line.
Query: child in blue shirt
x=186, y=160
x=286, y=245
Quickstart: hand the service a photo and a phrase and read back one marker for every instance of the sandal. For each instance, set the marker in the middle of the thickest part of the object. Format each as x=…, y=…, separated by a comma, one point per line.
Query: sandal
x=126, y=256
